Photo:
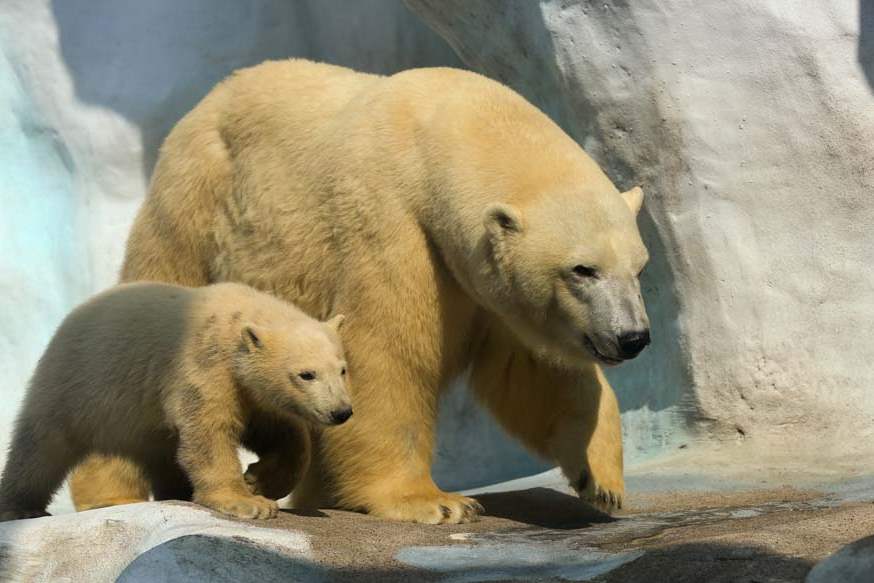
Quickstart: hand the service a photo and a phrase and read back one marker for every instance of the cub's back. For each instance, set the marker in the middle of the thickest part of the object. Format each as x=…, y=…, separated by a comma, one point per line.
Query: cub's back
x=112, y=354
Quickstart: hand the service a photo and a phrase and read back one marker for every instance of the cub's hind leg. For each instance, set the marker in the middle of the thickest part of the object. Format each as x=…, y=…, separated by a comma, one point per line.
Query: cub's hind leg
x=39, y=459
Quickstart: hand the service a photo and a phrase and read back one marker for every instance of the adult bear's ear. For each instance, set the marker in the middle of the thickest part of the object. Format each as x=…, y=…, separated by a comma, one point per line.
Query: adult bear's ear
x=502, y=219
x=252, y=338
x=336, y=322
x=634, y=199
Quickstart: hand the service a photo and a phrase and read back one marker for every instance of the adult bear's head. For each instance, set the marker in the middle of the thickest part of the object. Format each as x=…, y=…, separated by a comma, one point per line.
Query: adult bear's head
x=563, y=270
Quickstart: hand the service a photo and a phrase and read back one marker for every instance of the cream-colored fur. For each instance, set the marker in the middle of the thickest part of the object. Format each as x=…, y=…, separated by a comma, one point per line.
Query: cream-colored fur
x=176, y=379
x=452, y=221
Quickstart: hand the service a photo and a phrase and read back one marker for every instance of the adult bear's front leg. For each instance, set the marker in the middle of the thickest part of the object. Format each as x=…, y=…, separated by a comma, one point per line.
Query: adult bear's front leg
x=380, y=460
x=568, y=416
x=587, y=444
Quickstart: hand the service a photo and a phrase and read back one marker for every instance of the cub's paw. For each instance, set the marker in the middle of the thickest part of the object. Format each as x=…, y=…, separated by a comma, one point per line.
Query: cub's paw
x=437, y=508
x=607, y=495
x=21, y=514
x=240, y=505
x=269, y=480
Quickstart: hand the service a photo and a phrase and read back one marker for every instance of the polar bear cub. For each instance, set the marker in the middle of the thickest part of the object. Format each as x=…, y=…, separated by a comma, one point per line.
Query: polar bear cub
x=176, y=379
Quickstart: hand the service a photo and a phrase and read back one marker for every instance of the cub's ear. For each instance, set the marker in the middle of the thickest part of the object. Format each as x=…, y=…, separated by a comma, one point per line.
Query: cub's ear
x=336, y=322
x=252, y=337
x=502, y=219
x=634, y=199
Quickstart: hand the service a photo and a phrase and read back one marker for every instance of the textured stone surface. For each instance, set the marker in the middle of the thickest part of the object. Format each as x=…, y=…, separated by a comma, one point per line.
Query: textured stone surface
x=534, y=529
x=748, y=124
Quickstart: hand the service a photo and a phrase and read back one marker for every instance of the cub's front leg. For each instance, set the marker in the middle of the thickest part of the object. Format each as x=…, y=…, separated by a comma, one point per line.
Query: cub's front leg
x=210, y=428
x=284, y=450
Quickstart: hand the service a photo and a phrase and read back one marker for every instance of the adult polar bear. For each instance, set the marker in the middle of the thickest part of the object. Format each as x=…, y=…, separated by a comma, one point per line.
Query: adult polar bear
x=454, y=224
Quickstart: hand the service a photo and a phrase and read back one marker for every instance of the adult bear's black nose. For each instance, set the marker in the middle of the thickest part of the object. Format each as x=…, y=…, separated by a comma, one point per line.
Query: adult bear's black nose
x=631, y=343
x=341, y=415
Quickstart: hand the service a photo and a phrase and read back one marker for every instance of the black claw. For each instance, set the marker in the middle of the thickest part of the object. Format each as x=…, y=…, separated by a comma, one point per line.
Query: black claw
x=446, y=512
x=472, y=509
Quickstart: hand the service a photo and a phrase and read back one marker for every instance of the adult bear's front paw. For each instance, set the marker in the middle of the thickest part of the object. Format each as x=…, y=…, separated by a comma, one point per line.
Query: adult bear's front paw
x=432, y=508
x=606, y=496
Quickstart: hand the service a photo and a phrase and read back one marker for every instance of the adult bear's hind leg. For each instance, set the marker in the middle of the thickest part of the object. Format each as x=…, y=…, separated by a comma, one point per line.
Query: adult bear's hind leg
x=570, y=417
x=101, y=481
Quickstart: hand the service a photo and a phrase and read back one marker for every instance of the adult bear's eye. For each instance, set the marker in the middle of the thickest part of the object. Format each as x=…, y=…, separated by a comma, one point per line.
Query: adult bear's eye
x=307, y=375
x=343, y=371
x=583, y=271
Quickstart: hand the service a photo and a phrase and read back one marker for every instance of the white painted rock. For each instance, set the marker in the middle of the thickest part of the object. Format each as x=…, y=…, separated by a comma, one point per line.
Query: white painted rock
x=749, y=125
x=149, y=542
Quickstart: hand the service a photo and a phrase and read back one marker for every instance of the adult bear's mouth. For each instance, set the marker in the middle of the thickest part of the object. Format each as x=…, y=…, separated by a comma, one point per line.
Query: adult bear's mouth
x=600, y=356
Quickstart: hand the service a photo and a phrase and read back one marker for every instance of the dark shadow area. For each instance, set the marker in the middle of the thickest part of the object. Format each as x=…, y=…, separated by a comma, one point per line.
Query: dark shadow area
x=713, y=563
x=542, y=507
x=866, y=39
x=7, y=572
x=239, y=560
x=206, y=558
x=311, y=513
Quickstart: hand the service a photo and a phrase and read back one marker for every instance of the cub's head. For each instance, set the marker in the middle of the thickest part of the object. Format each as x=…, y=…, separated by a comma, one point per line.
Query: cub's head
x=562, y=272
x=298, y=370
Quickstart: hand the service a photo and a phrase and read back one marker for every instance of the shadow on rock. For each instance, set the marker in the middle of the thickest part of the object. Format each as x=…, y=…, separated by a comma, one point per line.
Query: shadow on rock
x=196, y=558
x=542, y=507
x=311, y=513
x=206, y=558
x=866, y=39
x=852, y=564
x=714, y=563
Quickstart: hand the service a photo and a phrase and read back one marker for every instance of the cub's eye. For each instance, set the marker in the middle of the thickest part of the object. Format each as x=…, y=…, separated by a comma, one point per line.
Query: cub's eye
x=583, y=271
x=307, y=375
x=343, y=371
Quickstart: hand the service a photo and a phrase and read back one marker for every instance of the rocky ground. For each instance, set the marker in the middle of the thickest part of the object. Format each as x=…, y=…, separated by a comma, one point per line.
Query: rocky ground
x=679, y=528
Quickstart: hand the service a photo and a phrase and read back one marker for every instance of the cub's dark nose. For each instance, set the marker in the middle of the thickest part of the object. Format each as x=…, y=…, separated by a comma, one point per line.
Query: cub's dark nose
x=341, y=415
x=631, y=343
